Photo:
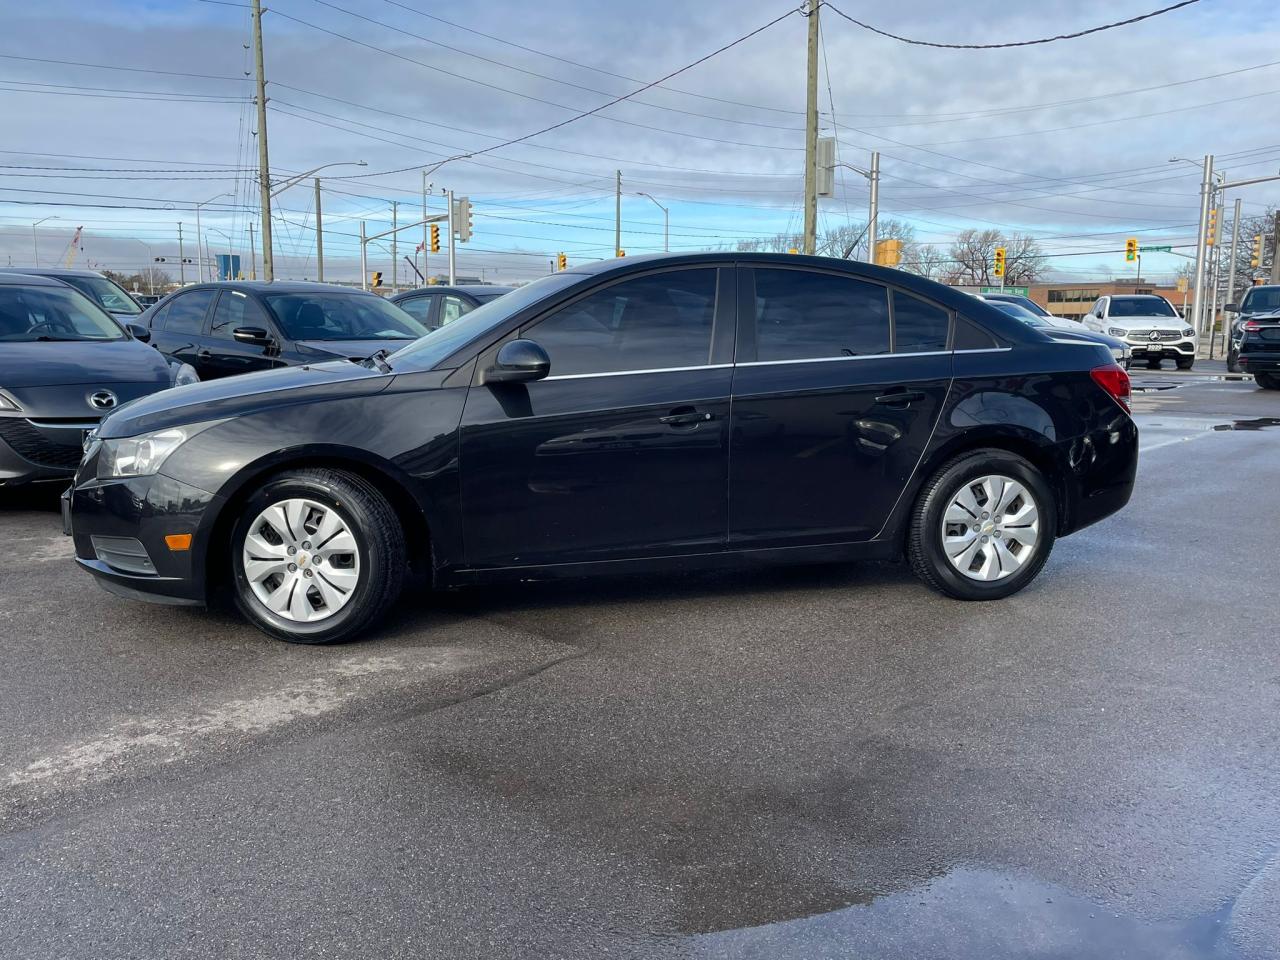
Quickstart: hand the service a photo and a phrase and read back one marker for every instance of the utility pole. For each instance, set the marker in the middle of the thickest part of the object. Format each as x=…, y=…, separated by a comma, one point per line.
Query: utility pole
x=319, y=236
x=1275, y=250
x=452, y=261
x=364, y=260
x=253, y=255
x=264, y=167
x=182, y=260
x=810, y=240
x=1216, y=271
x=1206, y=200
x=874, y=214
x=426, y=244
x=395, y=260
x=617, y=215
x=1231, y=276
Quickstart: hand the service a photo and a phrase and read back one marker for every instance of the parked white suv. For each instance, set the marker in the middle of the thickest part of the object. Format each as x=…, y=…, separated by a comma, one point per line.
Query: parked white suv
x=1149, y=325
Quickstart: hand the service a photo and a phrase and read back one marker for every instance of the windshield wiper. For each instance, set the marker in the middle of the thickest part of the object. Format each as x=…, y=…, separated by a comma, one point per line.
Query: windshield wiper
x=378, y=361
x=45, y=338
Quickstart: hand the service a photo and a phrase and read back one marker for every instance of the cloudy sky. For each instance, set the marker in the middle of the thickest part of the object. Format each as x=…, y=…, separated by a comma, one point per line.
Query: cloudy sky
x=120, y=115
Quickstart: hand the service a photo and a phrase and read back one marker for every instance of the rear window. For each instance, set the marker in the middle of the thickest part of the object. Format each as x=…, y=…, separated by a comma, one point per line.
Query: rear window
x=1261, y=299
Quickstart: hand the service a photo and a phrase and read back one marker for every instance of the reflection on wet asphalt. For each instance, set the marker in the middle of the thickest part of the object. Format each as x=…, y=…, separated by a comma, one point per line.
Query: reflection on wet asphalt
x=971, y=913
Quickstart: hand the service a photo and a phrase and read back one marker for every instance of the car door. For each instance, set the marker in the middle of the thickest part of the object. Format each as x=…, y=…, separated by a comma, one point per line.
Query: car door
x=178, y=328
x=422, y=308
x=622, y=450
x=838, y=384
x=221, y=354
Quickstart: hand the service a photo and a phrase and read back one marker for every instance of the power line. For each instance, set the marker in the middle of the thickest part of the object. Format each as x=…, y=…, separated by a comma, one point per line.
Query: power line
x=1015, y=43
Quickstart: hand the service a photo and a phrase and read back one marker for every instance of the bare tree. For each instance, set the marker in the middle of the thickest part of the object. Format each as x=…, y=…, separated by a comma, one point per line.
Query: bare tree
x=927, y=260
x=973, y=252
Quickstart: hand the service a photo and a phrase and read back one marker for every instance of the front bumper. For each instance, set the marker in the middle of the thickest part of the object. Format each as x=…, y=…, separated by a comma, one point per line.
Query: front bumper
x=100, y=515
x=1149, y=350
x=31, y=451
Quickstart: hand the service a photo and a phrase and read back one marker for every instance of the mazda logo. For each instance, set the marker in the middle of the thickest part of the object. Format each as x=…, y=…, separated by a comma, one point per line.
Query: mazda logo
x=102, y=400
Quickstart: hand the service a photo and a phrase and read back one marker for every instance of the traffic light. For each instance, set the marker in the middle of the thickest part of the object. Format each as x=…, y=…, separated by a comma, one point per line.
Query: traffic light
x=435, y=238
x=1212, y=229
x=1131, y=249
x=377, y=278
x=888, y=253
x=622, y=253
x=997, y=262
x=462, y=225
x=562, y=262
x=1255, y=259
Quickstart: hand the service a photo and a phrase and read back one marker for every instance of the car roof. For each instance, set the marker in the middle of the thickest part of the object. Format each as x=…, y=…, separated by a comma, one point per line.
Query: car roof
x=13, y=279
x=474, y=289
x=51, y=272
x=1136, y=296
x=272, y=286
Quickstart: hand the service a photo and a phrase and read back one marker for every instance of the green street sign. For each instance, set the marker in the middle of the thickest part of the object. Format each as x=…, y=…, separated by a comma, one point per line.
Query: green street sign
x=1018, y=291
x=1155, y=249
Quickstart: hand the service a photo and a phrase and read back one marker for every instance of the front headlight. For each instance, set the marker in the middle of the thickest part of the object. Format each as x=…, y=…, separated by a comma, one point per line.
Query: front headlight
x=1117, y=332
x=184, y=374
x=139, y=456
x=1188, y=331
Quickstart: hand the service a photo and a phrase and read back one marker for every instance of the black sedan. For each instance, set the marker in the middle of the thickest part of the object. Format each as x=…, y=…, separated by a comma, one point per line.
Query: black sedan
x=653, y=412
x=64, y=363
x=229, y=328
x=435, y=306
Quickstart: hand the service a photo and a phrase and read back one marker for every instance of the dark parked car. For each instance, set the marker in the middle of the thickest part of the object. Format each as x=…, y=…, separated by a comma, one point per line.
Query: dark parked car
x=652, y=412
x=64, y=363
x=1254, y=345
x=435, y=306
x=1119, y=349
x=103, y=291
x=229, y=328
x=1025, y=302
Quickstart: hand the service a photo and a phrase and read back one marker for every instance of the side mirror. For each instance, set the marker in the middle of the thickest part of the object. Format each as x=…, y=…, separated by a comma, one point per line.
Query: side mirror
x=139, y=332
x=254, y=335
x=1232, y=308
x=519, y=361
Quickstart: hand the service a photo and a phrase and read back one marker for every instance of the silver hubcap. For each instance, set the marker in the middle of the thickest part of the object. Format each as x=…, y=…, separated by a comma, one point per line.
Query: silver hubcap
x=990, y=528
x=301, y=560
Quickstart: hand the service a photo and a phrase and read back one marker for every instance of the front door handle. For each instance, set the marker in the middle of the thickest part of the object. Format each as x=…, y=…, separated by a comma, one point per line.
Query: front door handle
x=901, y=398
x=204, y=354
x=685, y=417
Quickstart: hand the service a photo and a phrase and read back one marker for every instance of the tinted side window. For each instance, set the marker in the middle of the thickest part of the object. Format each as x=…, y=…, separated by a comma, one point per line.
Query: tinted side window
x=803, y=316
x=451, y=308
x=969, y=336
x=648, y=323
x=236, y=309
x=186, y=312
x=156, y=321
x=418, y=307
x=918, y=326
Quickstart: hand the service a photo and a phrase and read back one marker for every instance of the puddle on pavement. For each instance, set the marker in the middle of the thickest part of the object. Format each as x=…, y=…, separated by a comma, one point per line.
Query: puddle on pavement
x=1262, y=423
x=980, y=914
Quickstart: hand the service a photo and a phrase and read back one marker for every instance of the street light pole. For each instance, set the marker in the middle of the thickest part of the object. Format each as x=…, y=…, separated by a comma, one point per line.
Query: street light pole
x=151, y=267
x=1206, y=201
x=199, y=234
x=35, y=242
x=666, y=222
x=264, y=166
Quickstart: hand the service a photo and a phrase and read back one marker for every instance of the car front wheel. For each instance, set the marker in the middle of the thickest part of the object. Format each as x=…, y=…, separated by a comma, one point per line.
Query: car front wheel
x=318, y=555
x=983, y=526
x=1186, y=364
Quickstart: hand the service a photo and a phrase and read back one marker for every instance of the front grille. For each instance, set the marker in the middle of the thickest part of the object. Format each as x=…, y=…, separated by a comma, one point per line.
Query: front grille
x=30, y=444
x=1165, y=335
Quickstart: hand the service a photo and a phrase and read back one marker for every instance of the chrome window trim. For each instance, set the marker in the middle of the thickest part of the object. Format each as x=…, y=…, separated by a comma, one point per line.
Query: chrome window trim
x=771, y=363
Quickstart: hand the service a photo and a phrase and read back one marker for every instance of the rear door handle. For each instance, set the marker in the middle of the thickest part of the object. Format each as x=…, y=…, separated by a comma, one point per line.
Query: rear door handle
x=901, y=398
x=685, y=418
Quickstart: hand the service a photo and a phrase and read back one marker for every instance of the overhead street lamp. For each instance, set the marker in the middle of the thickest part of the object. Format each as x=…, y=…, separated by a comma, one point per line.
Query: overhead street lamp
x=35, y=242
x=200, y=235
x=873, y=208
x=284, y=185
x=666, y=222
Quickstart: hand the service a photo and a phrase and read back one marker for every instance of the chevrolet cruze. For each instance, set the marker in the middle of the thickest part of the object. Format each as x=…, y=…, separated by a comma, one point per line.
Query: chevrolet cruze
x=643, y=413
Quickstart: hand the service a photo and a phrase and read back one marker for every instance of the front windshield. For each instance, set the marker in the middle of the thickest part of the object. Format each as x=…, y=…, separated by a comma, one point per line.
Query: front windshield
x=111, y=295
x=1261, y=300
x=1140, y=307
x=1022, y=313
x=440, y=343
x=341, y=316
x=32, y=314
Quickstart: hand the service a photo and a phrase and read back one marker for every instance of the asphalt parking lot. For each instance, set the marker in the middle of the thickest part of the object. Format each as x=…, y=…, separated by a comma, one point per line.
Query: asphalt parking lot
x=801, y=762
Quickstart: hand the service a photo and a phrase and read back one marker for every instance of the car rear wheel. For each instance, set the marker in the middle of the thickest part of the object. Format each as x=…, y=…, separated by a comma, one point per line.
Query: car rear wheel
x=318, y=555
x=1267, y=381
x=983, y=526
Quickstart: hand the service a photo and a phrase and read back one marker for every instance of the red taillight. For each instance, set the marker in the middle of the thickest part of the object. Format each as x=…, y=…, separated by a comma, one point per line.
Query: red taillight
x=1113, y=379
x=1253, y=326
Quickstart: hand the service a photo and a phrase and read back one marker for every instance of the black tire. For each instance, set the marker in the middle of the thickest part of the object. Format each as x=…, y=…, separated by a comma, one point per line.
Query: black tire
x=376, y=530
x=1186, y=364
x=924, y=537
x=1267, y=381
x=1153, y=364
x=1233, y=363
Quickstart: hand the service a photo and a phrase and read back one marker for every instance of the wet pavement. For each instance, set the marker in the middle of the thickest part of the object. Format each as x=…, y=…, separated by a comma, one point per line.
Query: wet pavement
x=803, y=762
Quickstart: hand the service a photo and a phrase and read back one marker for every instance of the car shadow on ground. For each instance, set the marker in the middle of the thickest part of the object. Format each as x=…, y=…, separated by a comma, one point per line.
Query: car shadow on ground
x=34, y=496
